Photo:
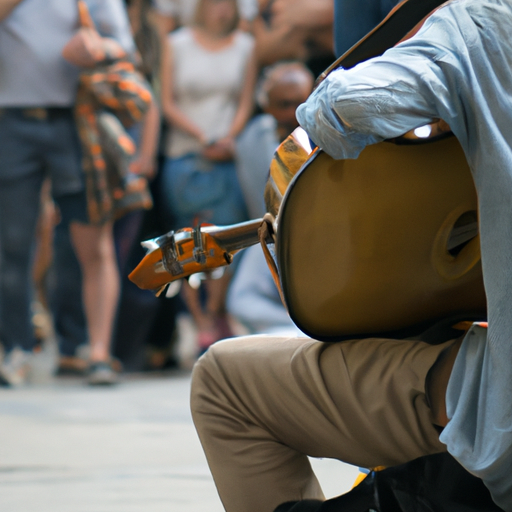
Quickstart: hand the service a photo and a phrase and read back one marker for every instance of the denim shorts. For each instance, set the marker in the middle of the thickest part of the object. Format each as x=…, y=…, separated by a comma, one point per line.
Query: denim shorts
x=73, y=208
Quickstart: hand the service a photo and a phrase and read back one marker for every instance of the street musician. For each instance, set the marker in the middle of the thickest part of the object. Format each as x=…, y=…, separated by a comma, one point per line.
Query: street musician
x=262, y=404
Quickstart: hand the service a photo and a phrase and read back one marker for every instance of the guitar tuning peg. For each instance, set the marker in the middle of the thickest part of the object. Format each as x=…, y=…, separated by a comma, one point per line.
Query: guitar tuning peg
x=149, y=245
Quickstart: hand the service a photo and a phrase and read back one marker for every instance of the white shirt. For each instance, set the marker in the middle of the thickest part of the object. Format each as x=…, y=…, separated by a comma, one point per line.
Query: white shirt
x=207, y=87
x=32, y=69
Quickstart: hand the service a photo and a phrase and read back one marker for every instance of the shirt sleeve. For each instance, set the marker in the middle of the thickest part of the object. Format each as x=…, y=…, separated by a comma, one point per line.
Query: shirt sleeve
x=379, y=99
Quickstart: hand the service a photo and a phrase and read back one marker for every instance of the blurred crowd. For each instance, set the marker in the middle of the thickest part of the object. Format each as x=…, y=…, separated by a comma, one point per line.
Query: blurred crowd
x=226, y=77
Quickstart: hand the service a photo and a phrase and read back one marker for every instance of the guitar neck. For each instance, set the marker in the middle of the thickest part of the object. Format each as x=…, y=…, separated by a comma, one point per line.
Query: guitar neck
x=235, y=237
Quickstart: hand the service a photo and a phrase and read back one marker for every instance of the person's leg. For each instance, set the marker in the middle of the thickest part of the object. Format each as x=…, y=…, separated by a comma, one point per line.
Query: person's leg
x=262, y=404
x=94, y=247
x=204, y=322
x=66, y=296
x=216, y=304
x=21, y=177
x=217, y=289
x=19, y=206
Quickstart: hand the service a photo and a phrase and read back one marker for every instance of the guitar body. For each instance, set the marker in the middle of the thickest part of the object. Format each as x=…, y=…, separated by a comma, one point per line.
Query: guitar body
x=381, y=244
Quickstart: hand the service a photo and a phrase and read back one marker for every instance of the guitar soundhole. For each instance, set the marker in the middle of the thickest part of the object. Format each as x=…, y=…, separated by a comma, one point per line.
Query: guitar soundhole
x=463, y=231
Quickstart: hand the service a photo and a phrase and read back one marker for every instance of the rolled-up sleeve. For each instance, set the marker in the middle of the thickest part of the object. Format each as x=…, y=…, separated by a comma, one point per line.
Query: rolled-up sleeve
x=381, y=98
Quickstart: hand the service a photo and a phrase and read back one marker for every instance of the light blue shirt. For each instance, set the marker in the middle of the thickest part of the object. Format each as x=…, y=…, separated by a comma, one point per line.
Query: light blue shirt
x=32, y=69
x=458, y=68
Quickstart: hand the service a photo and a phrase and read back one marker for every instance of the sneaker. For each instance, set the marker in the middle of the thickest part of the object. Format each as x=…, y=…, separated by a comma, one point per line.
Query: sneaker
x=16, y=368
x=101, y=374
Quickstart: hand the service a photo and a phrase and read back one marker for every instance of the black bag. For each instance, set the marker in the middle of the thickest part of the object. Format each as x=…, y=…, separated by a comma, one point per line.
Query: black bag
x=434, y=483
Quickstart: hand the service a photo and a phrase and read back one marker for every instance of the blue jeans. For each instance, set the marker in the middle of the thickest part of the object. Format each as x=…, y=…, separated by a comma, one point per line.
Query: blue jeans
x=31, y=149
x=65, y=294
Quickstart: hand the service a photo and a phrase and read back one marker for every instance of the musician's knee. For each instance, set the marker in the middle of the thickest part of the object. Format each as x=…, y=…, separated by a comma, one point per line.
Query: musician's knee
x=210, y=375
x=226, y=366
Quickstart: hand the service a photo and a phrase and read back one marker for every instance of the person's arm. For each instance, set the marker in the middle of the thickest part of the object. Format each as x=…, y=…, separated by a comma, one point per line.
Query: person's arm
x=172, y=114
x=145, y=163
x=245, y=103
x=111, y=20
x=278, y=42
x=164, y=25
x=225, y=147
x=105, y=31
x=6, y=7
x=382, y=98
x=303, y=13
x=293, y=23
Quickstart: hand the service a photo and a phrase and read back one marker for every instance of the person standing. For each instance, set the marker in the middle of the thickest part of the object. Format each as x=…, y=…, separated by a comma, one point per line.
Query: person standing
x=207, y=97
x=38, y=138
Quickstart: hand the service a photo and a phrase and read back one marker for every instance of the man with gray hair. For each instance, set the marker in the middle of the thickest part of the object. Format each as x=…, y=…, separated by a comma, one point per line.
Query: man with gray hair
x=281, y=89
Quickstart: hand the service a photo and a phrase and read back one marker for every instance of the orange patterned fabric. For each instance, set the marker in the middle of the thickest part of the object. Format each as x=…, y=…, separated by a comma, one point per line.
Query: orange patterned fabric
x=111, y=97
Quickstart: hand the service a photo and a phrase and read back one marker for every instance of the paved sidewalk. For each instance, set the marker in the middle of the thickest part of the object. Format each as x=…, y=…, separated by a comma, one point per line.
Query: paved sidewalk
x=66, y=447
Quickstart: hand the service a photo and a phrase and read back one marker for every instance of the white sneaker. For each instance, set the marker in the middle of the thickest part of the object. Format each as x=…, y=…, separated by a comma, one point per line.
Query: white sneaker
x=16, y=367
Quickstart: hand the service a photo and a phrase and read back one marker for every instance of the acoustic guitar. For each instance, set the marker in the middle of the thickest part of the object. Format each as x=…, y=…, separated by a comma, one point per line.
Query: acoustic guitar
x=381, y=245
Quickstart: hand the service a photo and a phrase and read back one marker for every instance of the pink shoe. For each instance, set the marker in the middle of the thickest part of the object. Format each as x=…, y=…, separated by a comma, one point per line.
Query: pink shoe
x=204, y=340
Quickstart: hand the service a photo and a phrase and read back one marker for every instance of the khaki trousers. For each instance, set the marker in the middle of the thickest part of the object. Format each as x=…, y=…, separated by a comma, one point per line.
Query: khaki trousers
x=261, y=404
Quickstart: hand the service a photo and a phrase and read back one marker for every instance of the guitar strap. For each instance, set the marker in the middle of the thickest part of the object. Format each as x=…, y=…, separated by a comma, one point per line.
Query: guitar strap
x=266, y=232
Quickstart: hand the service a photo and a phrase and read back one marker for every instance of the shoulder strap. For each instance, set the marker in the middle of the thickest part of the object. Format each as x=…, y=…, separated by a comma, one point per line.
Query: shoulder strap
x=84, y=15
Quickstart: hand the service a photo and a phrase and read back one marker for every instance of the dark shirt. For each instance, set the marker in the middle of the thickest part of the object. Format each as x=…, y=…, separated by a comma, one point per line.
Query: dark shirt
x=353, y=19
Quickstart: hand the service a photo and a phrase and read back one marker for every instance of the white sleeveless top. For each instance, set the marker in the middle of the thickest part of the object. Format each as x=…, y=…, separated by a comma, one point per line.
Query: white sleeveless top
x=207, y=86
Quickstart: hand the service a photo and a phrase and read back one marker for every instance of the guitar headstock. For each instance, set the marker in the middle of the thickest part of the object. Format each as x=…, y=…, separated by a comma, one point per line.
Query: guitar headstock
x=177, y=255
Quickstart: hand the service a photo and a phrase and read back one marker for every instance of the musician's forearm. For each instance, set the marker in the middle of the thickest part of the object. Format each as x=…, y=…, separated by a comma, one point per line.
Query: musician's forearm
x=6, y=6
x=383, y=98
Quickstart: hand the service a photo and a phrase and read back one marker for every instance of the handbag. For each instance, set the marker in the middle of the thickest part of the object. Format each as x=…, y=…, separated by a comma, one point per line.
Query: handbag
x=112, y=96
x=433, y=483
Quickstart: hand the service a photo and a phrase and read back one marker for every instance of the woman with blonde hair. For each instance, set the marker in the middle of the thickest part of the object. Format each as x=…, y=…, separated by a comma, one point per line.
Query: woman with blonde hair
x=208, y=78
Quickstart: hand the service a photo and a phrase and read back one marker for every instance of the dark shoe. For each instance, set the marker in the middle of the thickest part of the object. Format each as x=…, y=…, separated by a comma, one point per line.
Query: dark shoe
x=101, y=374
x=72, y=366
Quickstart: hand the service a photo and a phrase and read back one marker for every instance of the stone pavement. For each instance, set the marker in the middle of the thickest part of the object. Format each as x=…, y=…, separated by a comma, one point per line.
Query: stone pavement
x=66, y=447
